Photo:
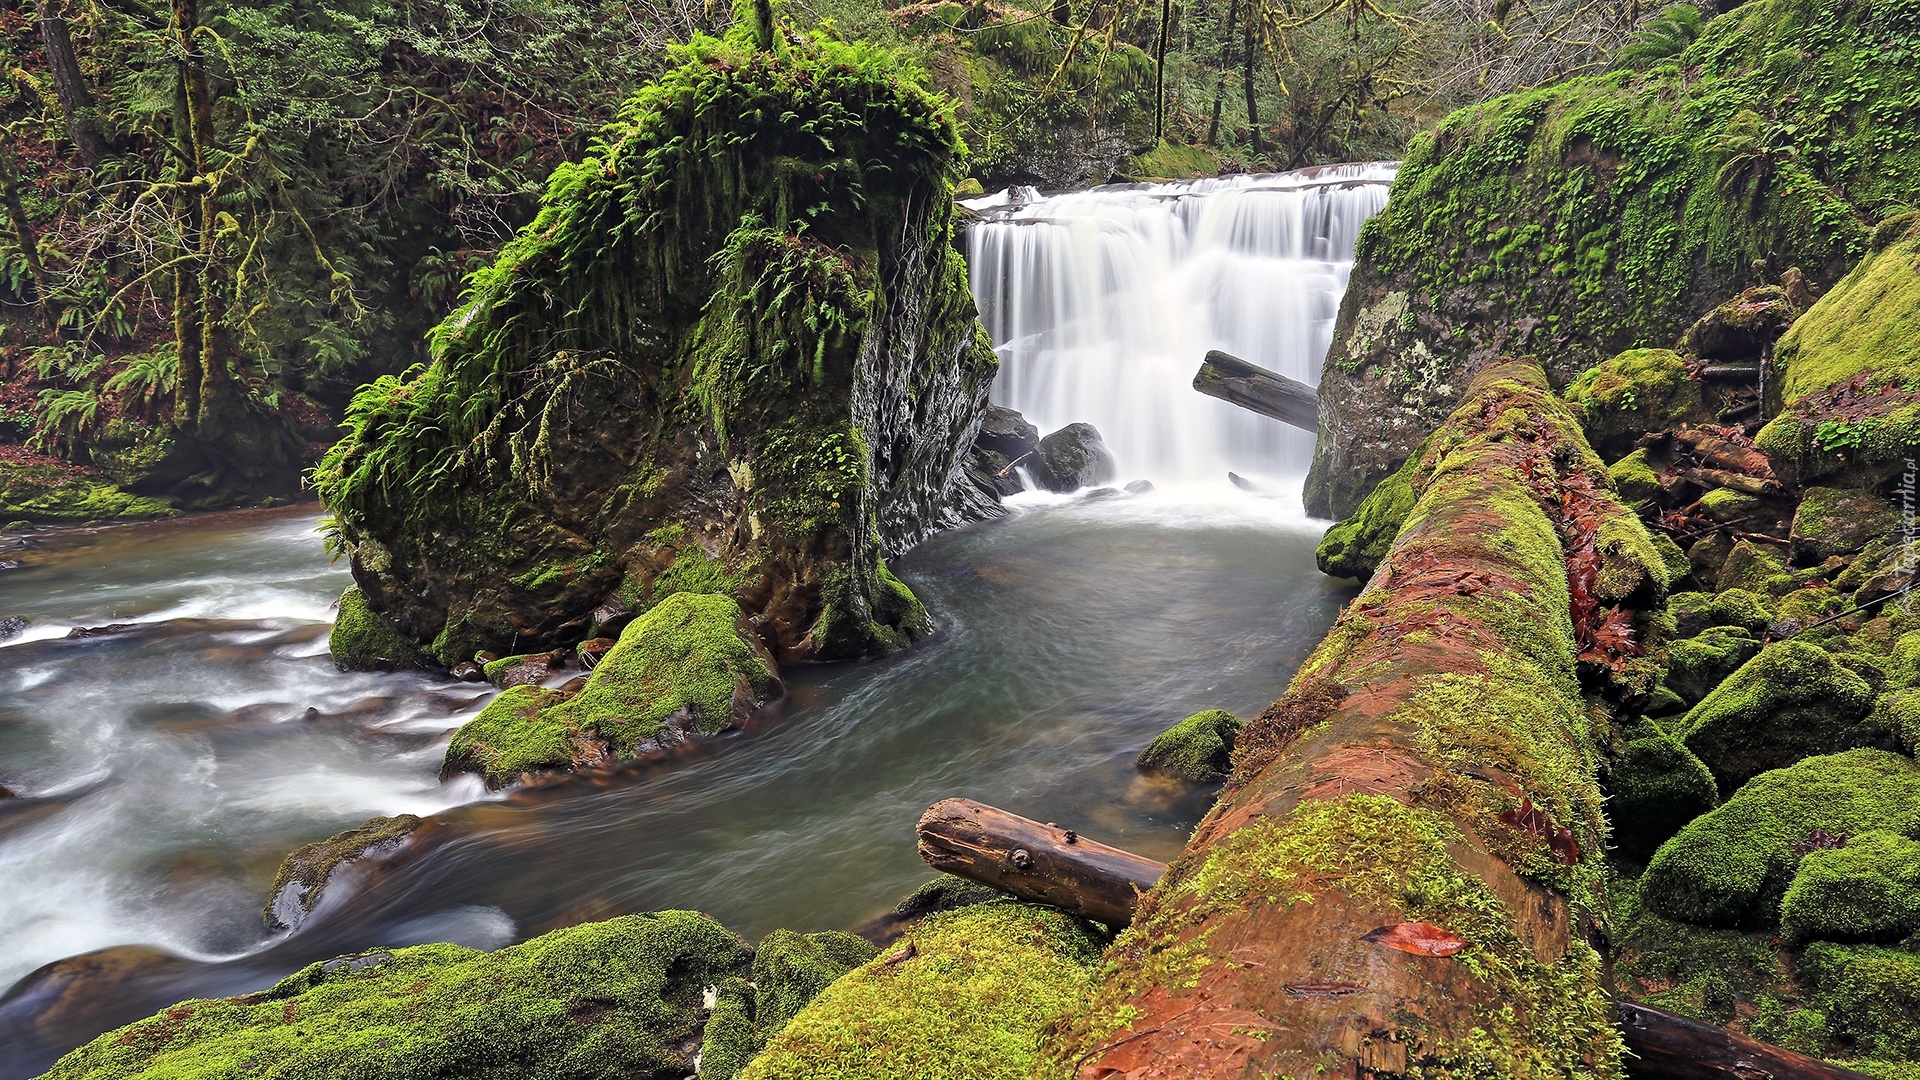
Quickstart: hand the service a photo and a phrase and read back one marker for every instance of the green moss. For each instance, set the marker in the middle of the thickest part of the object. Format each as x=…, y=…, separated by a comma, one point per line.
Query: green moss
x=1899, y=711
x=969, y=1002
x=496, y=670
x=1654, y=786
x=1696, y=665
x=1731, y=866
x=1638, y=391
x=513, y=736
x=1833, y=521
x=1712, y=975
x=1741, y=608
x=687, y=653
x=1199, y=748
x=1751, y=567
x=363, y=640
x=1870, y=997
x=1355, y=547
x=1635, y=479
x=728, y=1042
x=1868, y=890
x=1790, y=701
x=1727, y=505
x=790, y=970
x=1170, y=162
x=58, y=492
x=297, y=885
x=608, y=1000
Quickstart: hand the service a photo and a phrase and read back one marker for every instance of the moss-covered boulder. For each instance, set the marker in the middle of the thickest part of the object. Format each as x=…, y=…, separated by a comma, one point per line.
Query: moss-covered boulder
x=1743, y=328
x=736, y=346
x=1867, y=889
x=789, y=971
x=1638, y=391
x=58, y=492
x=1654, y=786
x=1355, y=547
x=1836, y=521
x=1636, y=478
x=1696, y=665
x=685, y=668
x=1741, y=608
x=1790, y=701
x=1199, y=748
x=363, y=640
x=1070, y=459
x=298, y=884
x=1865, y=1001
x=1731, y=866
x=1755, y=568
x=615, y=1000
x=967, y=995
x=1609, y=212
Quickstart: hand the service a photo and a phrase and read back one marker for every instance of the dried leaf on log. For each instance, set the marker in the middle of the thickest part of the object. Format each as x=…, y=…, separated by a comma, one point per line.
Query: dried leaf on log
x=1421, y=939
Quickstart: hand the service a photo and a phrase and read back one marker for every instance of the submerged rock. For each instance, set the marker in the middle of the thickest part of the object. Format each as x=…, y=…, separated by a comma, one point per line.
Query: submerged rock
x=620, y=998
x=1072, y=458
x=1199, y=748
x=13, y=626
x=297, y=886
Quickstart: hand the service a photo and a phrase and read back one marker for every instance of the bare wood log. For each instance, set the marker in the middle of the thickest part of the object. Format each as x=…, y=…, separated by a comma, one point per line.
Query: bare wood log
x=1670, y=1047
x=1044, y=863
x=1731, y=372
x=1713, y=478
x=983, y=843
x=1253, y=387
x=1725, y=453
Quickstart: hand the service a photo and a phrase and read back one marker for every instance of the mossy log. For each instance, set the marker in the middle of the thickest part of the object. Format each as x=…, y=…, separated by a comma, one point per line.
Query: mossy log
x=1038, y=862
x=1253, y=387
x=1400, y=875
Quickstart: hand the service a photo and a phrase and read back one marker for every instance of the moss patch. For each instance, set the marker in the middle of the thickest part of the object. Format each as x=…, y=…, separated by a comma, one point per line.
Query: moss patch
x=1654, y=787
x=1199, y=748
x=512, y=737
x=1638, y=391
x=1354, y=548
x=363, y=640
x=609, y=1001
x=1833, y=521
x=1789, y=702
x=62, y=493
x=1697, y=665
x=1867, y=1001
x=1867, y=890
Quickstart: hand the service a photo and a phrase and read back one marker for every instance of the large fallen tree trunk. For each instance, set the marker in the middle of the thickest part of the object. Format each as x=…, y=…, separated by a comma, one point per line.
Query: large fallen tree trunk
x=1050, y=864
x=1400, y=875
x=1268, y=393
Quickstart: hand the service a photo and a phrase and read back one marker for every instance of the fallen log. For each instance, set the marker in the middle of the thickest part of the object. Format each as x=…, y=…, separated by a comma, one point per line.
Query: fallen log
x=1713, y=478
x=1725, y=453
x=1268, y=393
x=1037, y=862
x=986, y=844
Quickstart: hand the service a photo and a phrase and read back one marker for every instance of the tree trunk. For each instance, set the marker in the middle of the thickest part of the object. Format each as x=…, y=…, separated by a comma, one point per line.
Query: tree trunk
x=1400, y=873
x=23, y=233
x=1220, y=87
x=1252, y=387
x=197, y=325
x=1253, y=95
x=1160, y=72
x=1039, y=862
x=69, y=86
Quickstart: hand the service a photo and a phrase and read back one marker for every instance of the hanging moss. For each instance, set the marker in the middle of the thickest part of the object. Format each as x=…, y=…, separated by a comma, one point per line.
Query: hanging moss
x=614, y=1000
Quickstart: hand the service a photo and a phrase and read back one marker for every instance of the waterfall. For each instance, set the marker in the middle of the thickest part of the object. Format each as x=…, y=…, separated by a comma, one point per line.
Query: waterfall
x=1101, y=304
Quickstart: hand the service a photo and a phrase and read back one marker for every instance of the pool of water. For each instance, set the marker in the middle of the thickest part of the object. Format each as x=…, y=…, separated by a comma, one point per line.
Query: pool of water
x=167, y=769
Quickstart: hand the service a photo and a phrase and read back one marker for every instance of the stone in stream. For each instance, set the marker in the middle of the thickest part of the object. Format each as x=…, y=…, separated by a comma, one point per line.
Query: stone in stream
x=365, y=640
x=1071, y=458
x=1198, y=749
x=1007, y=433
x=13, y=626
x=468, y=671
x=7, y=792
x=297, y=887
x=1139, y=487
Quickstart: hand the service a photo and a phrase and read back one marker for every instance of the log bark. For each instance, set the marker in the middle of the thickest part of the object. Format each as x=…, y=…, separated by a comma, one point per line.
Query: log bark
x=1725, y=453
x=1375, y=891
x=978, y=842
x=1268, y=393
x=1044, y=863
x=1713, y=478
x=70, y=86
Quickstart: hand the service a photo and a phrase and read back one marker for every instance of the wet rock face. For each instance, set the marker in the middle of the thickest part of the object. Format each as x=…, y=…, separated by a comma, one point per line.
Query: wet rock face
x=1072, y=458
x=297, y=887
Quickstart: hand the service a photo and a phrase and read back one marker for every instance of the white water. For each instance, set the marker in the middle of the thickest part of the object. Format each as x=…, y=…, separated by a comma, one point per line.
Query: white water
x=1102, y=303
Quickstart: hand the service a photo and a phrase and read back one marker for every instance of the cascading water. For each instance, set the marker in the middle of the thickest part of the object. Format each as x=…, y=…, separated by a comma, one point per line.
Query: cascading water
x=1102, y=303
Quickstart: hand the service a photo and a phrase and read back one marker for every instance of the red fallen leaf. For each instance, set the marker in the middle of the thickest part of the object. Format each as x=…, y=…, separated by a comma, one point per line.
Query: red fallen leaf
x=1530, y=818
x=1564, y=846
x=1421, y=939
x=1322, y=989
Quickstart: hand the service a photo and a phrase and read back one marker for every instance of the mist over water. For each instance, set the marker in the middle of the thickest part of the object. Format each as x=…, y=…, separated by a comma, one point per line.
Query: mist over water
x=1102, y=303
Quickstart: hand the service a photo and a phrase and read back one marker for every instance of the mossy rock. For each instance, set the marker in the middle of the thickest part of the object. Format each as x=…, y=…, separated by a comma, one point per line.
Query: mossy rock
x=1199, y=748
x=1743, y=328
x=297, y=885
x=789, y=971
x=62, y=493
x=363, y=640
x=1869, y=1000
x=1866, y=890
x=1355, y=547
x=1709, y=974
x=1654, y=787
x=1742, y=608
x=1638, y=391
x=1899, y=711
x=614, y=1000
x=1836, y=521
x=1790, y=701
x=1072, y=458
x=684, y=668
x=1752, y=567
x=1635, y=478
x=1730, y=866
x=1728, y=506
x=970, y=999
x=1696, y=665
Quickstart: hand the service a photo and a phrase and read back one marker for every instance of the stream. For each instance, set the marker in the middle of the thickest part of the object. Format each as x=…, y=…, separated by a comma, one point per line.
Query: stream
x=166, y=766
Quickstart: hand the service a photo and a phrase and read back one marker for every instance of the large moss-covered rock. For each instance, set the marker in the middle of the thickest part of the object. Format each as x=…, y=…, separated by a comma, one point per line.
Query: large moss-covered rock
x=56, y=491
x=615, y=1000
x=1199, y=748
x=1654, y=786
x=789, y=971
x=1742, y=608
x=1848, y=382
x=1790, y=701
x=685, y=668
x=1866, y=890
x=1730, y=867
x=363, y=640
x=1834, y=521
x=1609, y=212
x=1866, y=1001
x=1696, y=665
x=1638, y=391
x=298, y=884
x=967, y=995
x=737, y=344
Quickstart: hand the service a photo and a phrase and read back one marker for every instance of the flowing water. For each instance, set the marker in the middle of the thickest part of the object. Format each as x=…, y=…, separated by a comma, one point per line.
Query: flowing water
x=167, y=766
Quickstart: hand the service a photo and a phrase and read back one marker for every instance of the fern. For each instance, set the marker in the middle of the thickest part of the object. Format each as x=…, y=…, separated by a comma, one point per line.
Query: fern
x=1662, y=37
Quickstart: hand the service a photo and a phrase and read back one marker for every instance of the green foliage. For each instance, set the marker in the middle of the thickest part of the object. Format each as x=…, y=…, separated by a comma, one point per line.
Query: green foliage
x=1731, y=866
x=1197, y=749
x=1663, y=37
x=603, y=1001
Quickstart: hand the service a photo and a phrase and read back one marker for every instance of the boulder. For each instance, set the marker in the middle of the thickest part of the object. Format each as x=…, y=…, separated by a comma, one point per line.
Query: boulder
x=1696, y=665
x=1867, y=888
x=1731, y=866
x=1654, y=787
x=1742, y=608
x=363, y=640
x=1007, y=433
x=1790, y=701
x=1635, y=392
x=297, y=887
x=1071, y=458
x=1743, y=328
x=1836, y=521
x=1754, y=567
x=1198, y=749
x=13, y=626
x=1864, y=1001
x=621, y=998
x=1354, y=548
